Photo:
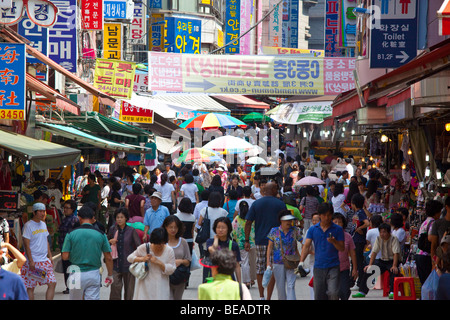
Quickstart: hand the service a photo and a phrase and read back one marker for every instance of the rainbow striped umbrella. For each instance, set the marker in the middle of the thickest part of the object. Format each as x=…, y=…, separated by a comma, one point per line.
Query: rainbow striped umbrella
x=211, y=121
x=198, y=155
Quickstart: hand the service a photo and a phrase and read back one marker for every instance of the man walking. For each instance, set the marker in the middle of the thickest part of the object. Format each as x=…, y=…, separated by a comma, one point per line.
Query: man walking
x=155, y=215
x=264, y=212
x=84, y=247
x=38, y=270
x=328, y=240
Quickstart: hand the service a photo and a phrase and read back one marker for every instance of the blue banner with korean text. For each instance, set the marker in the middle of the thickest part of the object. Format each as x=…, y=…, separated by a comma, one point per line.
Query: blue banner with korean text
x=12, y=81
x=63, y=35
x=183, y=35
x=114, y=9
x=232, y=25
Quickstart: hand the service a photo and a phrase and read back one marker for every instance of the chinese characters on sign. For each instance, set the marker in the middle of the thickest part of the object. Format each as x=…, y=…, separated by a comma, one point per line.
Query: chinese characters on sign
x=12, y=81
x=395, y=42
x=183, y=35
x=91, y=14
x=131, y=113
x=232, y=25
x=112, y=41
x=115, y=78
x=138, y=27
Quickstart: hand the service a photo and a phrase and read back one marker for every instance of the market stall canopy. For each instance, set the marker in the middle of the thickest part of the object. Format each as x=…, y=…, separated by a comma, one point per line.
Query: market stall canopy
x=42, y=154
x=75, y=134
x=308, y=111
x=196, y=101
x=241, y=101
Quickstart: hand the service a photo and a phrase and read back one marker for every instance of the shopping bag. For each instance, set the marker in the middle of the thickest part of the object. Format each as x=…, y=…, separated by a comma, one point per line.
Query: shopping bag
x=195, y=264
x=429, y=288
x=266, y=277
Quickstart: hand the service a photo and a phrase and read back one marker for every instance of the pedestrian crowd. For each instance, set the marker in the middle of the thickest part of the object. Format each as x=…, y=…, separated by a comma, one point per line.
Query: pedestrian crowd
x=250, y=228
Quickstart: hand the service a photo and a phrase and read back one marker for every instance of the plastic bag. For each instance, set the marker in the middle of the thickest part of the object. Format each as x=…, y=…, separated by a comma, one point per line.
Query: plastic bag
x=429, y=288
x=195, y=264
x=266, y=277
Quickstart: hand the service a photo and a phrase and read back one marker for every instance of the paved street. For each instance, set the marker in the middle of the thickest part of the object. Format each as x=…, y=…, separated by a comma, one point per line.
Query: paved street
x=301, y=288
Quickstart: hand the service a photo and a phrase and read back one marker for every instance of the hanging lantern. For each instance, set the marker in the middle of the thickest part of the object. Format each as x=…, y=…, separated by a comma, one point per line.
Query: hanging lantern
x=384, y=138
x=447, y=126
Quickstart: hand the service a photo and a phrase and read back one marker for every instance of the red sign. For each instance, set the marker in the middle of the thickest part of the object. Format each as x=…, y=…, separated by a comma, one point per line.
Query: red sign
x=131, y=113
x=92, y=14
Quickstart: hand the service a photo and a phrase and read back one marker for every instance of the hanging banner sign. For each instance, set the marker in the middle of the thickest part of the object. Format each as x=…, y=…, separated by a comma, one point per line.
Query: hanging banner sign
x=62, y=36
x=42, y=12
x=115, y=77
x=131, y=113
x=252, y=74
x=91, y=14
x=12, y=81
x=138, y=27
x=232, y=25
x=303, y=112
x=112, y=41
x=156, y=36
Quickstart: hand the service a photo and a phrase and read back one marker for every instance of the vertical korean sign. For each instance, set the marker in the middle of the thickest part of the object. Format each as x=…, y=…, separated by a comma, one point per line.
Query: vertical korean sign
x=347, y=24
x=12, y=81
x=112, y=41
x=245, y=19
x=293, y=24
x=63, y=35
x=395, y=42
x=232, y=25
x=331, y=29
x=183, y=35
x=275, y=24
x=39, y=40
x=91, y=14
x=156, y=36
x=115, y=78
x=138, y=27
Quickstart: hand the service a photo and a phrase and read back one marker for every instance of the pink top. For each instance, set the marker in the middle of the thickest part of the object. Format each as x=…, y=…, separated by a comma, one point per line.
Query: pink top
x=343, y=255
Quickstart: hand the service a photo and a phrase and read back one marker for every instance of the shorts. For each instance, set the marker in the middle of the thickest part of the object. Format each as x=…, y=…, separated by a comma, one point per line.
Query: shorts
x=31, y=282
x=261, y=262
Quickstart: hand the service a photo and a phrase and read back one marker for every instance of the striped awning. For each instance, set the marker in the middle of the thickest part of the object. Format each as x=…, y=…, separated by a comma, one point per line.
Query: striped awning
x=444, y=18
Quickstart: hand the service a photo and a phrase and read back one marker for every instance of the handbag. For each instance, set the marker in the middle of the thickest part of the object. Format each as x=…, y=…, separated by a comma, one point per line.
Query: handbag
x=290, y=261
x=140, y=269
x=204, y=232
x=180, y=275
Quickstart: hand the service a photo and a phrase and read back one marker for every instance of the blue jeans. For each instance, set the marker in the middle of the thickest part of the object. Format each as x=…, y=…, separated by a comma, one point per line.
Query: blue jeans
x=285, y=282
x=326, y=283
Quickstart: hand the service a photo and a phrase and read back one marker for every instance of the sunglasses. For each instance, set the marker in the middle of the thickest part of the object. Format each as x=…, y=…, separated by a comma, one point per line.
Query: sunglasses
x=41, y=12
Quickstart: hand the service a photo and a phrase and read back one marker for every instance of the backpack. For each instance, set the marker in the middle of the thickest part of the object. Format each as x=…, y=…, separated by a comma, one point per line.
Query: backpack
x=423, y=243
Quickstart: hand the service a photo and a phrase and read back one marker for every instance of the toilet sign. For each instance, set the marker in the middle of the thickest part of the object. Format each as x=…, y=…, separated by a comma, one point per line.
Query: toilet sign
x=394, y=43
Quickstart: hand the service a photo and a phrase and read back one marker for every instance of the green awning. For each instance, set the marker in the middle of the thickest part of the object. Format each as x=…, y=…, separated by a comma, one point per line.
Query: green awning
x=112, y=129
x=42, y=154
x=75, y=134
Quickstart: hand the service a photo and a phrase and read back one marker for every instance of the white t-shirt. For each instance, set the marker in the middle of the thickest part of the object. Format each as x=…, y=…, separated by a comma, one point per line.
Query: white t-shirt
x=37, y=233
x=371, y=236
x=166, y=191
x=249, y=201
x=55, y=196
x=337, y=201
x=401, y=236
x=213, y=214
x=189, y=190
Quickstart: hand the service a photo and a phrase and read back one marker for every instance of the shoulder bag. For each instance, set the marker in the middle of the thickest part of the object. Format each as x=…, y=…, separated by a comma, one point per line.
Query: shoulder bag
x=290, y=261
x=205, y=230
x=140, y=269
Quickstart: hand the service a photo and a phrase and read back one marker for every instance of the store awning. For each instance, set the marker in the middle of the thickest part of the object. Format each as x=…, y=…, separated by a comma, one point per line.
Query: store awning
x=42, y=154
x=11, y=36
x=75, y=134
x=241, y=101
x=61, y=102
x=444, y=18
x=195, y=101
x=109, y=128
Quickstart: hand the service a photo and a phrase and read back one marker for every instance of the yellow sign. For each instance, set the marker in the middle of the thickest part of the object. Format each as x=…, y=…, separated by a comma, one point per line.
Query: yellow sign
x=156, y=33
x=112, y=41
x=280, y=50
x=115, y=77
x=219, y=38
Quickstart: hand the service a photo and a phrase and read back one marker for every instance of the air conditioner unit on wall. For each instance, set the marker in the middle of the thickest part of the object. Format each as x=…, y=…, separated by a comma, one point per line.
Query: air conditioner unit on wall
x=432, y=91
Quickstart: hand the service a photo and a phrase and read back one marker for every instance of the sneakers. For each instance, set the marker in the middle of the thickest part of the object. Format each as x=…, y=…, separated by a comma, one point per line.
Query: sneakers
x=358, y=295
x=354, y=288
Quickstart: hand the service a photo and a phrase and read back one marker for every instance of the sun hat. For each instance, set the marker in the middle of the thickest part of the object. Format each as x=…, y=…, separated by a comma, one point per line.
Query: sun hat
x=157, y=194
x=288, y=217
x=38, y=206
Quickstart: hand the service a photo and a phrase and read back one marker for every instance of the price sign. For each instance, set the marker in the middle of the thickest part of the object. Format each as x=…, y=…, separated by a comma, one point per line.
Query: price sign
x=9, y=200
